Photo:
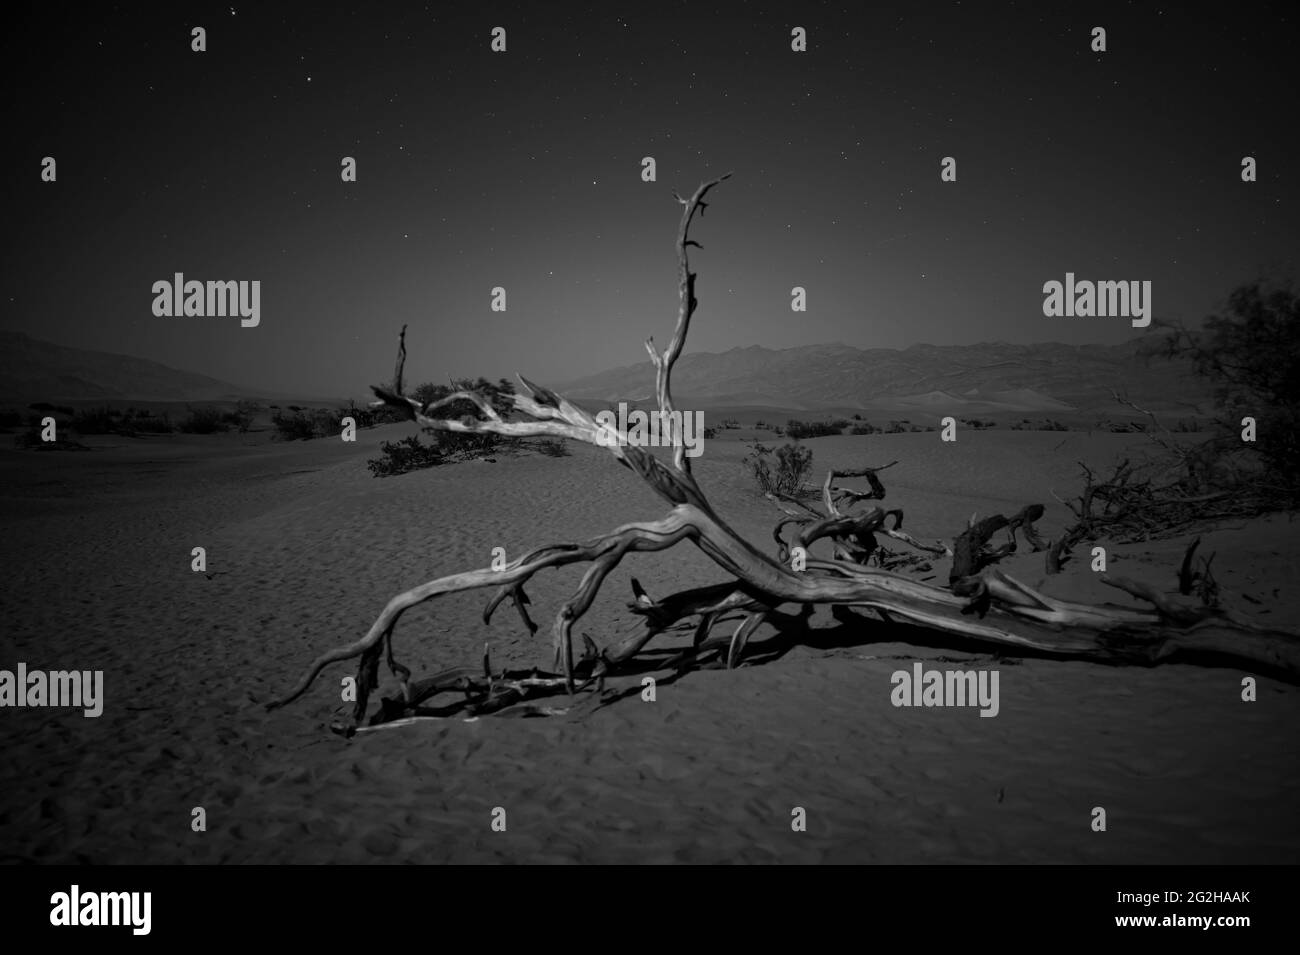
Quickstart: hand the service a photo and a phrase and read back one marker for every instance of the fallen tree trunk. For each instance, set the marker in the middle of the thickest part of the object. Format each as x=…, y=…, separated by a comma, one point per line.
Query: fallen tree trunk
x=981, y=604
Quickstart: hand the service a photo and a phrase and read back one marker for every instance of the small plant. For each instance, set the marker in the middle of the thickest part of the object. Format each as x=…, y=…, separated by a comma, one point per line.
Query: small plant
x=99, y=421
x=798, y=430
x=31, y=440
x=399, y=457
x=554, y=447
x=293, y=427
x=203, y=420
x=147, y=424
x=241, y=419
x=782, y=472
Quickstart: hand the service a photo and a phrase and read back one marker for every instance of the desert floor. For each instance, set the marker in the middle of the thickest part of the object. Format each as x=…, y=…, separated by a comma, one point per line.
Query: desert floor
x=305, y=547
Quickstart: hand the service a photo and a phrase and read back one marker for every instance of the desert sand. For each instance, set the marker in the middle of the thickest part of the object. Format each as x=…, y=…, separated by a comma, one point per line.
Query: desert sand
x=304, y=547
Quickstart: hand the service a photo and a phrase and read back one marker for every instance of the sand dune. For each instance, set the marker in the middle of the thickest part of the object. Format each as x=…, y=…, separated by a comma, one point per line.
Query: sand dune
x=304, y=547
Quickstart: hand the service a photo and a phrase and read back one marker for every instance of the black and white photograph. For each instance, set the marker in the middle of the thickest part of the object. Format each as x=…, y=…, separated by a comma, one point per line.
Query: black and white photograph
x=651, y=434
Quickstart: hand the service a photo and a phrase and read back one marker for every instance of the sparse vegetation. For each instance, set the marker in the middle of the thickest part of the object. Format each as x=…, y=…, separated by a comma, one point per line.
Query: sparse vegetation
x=798, y=430
x=1251, y=357
x=306, y=424
x=779, y=472
x=553, y=447
x=1024, y=424
x=203, y=419
x=402, y=456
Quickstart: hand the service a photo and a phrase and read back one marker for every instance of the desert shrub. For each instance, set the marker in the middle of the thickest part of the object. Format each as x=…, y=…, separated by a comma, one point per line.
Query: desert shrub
x=241, y=419
x=399, y=457
x=553, y=447
x=498, y=395
x=364, y=417
x=863, y=428
x=1250, y=354
x=857, y=417
x=148, y=424
x=367, y=417
x=203, y=419
x=30, y=439
x=779, y=472
x=325, y=422
x=798, y=430
x=464, y=446
x=102, y=421
x=710, y=432
x=306, y=424
x=294, y=426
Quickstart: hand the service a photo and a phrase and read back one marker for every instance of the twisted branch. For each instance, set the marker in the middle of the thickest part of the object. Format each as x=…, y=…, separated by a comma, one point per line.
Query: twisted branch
x=981, y=604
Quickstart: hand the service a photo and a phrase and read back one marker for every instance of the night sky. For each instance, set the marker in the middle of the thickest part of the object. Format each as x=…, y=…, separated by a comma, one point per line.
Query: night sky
x=522, y=169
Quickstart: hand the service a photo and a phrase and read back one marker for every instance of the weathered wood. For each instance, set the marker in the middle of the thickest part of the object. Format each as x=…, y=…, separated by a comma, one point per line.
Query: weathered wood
x=981, y=604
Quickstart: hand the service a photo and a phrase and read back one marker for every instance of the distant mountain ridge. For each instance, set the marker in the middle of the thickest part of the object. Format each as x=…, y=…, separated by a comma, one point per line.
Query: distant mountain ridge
x=987, y=376
x=35, y=370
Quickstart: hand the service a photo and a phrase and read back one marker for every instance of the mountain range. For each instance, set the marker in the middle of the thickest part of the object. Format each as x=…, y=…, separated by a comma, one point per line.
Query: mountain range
x=990, y=376
x=936, y=379
x=34, y=370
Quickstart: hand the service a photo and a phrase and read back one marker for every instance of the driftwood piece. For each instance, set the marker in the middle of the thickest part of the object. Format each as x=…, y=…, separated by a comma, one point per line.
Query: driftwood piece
x=983, y=606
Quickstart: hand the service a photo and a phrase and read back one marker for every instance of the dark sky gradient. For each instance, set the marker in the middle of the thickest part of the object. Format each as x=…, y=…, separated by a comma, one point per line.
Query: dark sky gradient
x=522, y=170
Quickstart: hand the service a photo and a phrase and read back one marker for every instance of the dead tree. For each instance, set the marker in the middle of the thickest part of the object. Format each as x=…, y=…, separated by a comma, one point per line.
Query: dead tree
x=984, y=605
